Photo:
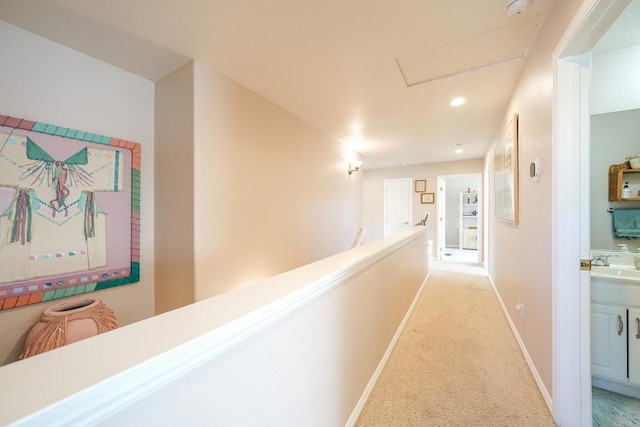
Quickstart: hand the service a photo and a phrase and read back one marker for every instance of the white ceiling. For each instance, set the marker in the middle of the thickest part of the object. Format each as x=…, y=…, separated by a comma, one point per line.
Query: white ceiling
x=391, y=67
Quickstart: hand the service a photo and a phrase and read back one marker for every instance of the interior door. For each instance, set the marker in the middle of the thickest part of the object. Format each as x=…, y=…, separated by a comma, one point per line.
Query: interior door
x=442, y=222
x=397, y=205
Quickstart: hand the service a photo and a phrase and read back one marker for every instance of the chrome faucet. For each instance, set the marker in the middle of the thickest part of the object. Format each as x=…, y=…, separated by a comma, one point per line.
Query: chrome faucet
x=602, y=260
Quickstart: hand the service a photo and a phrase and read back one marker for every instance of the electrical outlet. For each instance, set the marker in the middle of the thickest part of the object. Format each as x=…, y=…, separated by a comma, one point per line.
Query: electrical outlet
x=520, y=308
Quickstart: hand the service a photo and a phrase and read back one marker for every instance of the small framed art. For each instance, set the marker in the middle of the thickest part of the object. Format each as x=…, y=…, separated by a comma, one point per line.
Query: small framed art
x=426, y=198
x=420, y=185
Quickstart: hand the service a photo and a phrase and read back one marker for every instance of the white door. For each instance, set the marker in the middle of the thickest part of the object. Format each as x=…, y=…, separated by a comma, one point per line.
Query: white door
x=442, y=222
x=397, y=206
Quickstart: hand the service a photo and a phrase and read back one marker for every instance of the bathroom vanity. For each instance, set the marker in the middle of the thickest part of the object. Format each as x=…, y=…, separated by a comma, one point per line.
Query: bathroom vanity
x=615, y=323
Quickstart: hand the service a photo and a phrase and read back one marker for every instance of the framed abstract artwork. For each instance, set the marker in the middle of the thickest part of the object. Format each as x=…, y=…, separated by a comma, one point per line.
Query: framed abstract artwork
x=420, y=185
x=69, y=212
x=505, y=165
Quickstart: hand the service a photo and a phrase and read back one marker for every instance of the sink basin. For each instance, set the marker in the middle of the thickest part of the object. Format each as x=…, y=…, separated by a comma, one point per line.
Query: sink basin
x=615, y=271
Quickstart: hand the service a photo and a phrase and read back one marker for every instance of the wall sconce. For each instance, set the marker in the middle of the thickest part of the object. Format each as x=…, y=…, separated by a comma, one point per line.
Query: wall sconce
x=354, y=166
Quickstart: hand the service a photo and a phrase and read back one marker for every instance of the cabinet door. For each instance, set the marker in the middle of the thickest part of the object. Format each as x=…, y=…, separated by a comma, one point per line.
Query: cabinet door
x=470, y=239
x=609, y=342
x=634, y=346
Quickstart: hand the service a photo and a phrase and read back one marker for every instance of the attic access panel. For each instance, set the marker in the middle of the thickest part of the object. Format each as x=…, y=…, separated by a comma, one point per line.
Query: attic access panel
x=69, y=212
x=499, y=45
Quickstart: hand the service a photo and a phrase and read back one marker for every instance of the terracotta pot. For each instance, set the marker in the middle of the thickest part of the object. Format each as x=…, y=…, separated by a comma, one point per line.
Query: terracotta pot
x=68, y=322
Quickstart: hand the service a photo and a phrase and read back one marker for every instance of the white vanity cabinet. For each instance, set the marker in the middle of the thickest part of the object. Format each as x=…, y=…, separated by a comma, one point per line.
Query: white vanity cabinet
x=615, y=333
x=634, y=346
x=609, y=342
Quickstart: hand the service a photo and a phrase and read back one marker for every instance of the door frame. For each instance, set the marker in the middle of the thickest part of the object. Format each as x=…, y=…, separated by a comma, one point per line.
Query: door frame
x=441, y=227
x=384, y=202
x=570, y=210
x=440, y=224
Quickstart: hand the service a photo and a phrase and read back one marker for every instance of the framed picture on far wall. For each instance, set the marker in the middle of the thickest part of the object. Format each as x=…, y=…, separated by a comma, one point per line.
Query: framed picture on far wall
x=426, y=198
x=421, y=185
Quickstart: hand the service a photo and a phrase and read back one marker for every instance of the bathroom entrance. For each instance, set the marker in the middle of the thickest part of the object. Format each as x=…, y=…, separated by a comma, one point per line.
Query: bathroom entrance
x=577, y=72
x=615, y=300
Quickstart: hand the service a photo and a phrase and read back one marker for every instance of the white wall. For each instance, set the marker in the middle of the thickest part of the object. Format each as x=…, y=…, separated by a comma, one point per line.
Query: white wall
x=258, y=191
x=615, y=85
x=613, y=137
x=175, y=267
x=615, y=105
x=271, y=193
x=373, y=192
x=520, y=255
x=49, y=83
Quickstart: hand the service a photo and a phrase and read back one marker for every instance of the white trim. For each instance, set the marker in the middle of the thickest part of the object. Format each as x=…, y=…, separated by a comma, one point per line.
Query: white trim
x=482, y=214
x=566, y=246
x=96, y=401
x=532, y=367
x=383, y=362
x=570, y=220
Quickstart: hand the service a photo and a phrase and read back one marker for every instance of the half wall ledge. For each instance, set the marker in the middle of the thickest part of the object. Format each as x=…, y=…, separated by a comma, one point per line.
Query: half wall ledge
x=300, y=348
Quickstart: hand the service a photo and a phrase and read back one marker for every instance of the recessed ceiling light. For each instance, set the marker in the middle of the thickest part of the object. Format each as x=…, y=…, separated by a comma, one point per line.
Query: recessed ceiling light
x=456, y=102
x=458, y=150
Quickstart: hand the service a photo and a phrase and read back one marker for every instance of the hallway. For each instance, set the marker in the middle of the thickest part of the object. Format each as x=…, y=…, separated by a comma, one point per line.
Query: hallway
x=456, y=362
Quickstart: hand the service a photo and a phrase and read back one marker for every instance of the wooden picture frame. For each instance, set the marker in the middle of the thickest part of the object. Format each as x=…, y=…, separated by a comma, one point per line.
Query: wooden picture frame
x=420, y=185
x=505, y=169
x=427, y=198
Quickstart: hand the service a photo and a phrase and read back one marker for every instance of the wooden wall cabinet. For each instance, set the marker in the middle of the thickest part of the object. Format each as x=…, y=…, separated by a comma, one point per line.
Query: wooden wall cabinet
x=618, y=175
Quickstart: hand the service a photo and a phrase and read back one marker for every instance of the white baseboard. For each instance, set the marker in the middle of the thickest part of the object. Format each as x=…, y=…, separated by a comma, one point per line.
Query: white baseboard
x=532, y=367
x=616, y=387
x=372, y=382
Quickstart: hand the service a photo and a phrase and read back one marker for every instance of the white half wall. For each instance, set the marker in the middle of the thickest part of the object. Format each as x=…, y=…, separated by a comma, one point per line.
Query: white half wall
x=301, y=348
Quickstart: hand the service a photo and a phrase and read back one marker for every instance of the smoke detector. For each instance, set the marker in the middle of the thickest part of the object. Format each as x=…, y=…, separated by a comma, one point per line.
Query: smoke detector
x=516, y=7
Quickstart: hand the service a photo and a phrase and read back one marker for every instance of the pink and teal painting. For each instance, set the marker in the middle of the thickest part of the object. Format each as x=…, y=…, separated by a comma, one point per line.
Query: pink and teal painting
x=69, y=212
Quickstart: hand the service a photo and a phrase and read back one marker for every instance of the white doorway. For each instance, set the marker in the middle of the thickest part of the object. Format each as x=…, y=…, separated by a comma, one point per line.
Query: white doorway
x=398, y=215
x=459, y=218
x=571, y=218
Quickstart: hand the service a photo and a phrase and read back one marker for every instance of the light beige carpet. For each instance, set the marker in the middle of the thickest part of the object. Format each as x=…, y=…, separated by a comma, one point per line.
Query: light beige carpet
x=456, y=363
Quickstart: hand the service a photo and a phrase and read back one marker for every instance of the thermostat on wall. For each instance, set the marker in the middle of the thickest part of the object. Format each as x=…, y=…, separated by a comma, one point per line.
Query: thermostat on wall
x=534, y=169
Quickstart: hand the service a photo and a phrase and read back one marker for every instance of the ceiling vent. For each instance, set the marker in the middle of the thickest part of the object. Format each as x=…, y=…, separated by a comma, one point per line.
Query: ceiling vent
x=516, y=7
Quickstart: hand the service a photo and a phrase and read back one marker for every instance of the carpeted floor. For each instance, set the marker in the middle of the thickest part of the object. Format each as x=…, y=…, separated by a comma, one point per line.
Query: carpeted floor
x=614, y=410
x=456, y=363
